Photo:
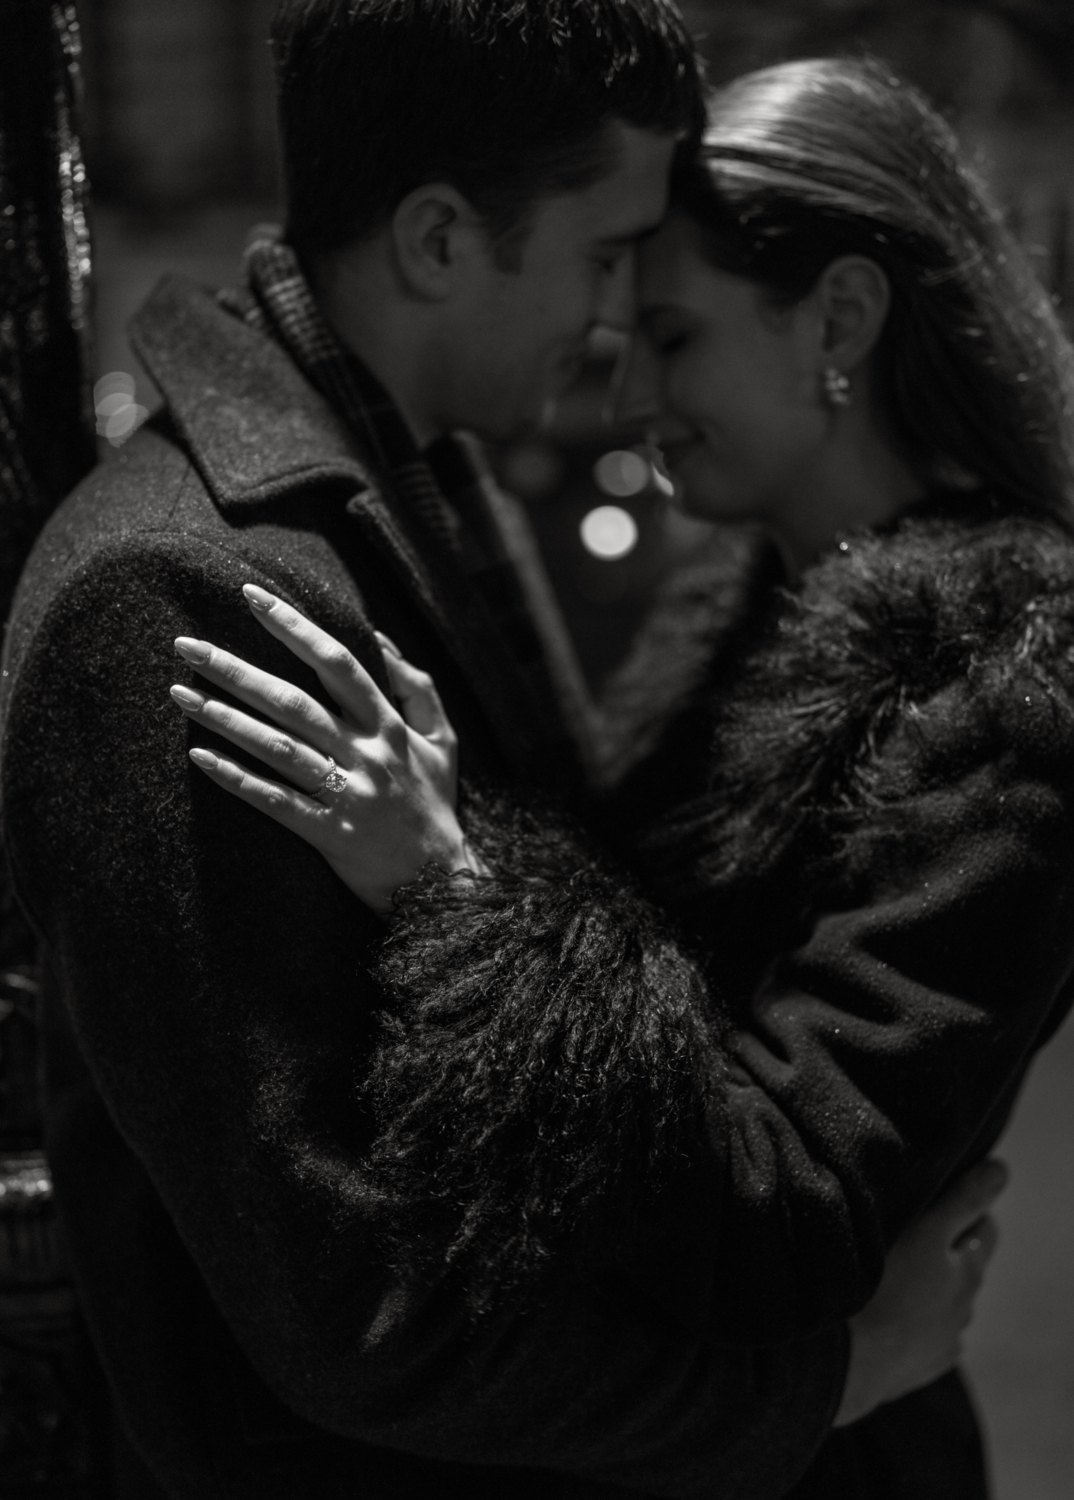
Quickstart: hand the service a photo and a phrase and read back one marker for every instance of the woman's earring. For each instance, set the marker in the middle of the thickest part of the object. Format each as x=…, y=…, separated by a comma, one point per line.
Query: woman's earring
x=836, y=388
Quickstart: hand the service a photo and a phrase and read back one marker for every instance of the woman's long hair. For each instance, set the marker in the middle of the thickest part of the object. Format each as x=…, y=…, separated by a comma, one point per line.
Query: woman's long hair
x=811, y=160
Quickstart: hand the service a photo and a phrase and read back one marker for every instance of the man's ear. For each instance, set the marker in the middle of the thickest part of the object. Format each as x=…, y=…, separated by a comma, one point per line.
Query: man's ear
x=436, y=235
x=853, y=296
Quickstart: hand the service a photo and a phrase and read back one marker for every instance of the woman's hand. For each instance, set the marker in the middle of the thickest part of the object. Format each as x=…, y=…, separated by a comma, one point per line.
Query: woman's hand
x=377, y=796
x=911, y=1332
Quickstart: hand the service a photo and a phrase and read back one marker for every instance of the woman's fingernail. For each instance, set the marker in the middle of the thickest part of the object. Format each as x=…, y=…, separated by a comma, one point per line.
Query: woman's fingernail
x=190, y=649
x=257, y=598
x=387, y=644
x=203, y=758
x=187, y=698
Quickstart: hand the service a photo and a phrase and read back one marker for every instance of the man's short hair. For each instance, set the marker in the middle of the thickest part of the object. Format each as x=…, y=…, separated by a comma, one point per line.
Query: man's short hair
x=507, y=100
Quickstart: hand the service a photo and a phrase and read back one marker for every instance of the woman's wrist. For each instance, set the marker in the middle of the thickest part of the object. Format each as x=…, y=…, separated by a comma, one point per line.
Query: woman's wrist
x=473, y=861
x=461, y=858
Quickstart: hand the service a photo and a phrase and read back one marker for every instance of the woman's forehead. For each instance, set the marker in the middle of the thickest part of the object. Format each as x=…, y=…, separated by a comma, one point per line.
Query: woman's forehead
x=668, y=257
x=673, y=269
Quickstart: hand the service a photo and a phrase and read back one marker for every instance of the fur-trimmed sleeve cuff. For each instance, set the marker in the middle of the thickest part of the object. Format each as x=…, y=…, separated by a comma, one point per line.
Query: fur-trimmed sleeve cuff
x=545, y=1054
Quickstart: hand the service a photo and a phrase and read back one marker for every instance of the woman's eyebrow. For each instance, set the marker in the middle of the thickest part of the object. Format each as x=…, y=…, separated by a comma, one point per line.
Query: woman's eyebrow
x=616, y=241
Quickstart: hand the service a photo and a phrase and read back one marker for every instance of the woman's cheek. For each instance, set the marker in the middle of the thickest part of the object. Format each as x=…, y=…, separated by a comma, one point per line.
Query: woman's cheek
x=691, y=390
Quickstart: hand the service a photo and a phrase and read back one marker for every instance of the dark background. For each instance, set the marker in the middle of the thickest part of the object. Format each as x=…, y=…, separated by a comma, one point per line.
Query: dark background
x=180, y=141
x=180, y=145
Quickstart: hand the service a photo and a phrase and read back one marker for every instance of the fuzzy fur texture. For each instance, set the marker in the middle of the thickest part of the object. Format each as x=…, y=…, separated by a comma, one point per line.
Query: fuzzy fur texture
x=551, y=1047
x=900, y=650
x=522, y=1084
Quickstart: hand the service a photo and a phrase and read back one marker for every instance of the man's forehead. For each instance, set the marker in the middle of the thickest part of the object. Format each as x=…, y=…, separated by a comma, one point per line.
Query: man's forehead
x=630, y=199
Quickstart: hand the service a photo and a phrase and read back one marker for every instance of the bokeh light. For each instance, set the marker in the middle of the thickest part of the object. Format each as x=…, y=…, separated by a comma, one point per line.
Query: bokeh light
x=623, y=473
x=609, y=532
x=117, y=412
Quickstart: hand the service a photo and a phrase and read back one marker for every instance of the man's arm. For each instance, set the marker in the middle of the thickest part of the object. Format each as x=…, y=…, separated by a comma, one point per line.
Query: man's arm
x=215, y=972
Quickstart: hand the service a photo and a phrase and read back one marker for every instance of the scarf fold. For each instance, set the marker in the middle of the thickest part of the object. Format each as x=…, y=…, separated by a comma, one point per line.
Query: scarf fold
x=443, y=492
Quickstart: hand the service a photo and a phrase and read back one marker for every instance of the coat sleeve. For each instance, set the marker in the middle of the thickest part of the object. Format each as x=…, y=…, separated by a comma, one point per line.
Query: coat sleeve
x=217, y=977
x=882, y=1055
x=786, y=1145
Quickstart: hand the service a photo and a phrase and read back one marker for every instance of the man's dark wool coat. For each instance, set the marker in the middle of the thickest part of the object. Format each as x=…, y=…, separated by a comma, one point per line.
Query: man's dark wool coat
x=874, y=897
x=209, y=1015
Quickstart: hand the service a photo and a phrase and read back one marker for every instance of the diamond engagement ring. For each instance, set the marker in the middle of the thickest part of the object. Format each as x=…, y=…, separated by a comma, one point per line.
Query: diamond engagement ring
x=335, y=781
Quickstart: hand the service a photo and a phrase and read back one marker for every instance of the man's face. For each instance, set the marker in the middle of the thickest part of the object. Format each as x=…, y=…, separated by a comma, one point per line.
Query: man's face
x=519, y=334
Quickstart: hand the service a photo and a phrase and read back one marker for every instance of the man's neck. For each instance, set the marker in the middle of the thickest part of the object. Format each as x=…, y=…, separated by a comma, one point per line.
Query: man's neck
x=360, y=301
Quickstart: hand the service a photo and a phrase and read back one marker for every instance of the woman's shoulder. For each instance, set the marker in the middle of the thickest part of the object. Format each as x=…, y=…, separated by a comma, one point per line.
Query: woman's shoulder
x=954, y=568
x=902, y=660
x=976, y=595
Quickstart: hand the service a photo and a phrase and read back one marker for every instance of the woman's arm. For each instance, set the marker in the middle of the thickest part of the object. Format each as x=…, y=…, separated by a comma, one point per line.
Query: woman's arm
x=547, y=1058
x=553, y=1066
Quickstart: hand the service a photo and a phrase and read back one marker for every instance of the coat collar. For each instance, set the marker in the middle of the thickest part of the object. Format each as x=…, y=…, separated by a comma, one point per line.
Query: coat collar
x=253, y=426
x=257, y=431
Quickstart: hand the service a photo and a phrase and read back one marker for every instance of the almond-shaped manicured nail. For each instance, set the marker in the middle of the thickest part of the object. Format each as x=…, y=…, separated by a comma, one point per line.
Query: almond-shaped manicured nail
x=258, y=598
x=387, y=644
x=203, y=758
x=187, y=698
x=190, y=649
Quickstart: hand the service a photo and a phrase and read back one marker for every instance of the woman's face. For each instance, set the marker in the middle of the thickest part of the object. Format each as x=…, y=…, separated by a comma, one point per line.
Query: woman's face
x=730, y=385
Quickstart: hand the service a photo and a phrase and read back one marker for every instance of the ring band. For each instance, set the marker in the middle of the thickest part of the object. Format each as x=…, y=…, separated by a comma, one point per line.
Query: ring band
x=335, y=781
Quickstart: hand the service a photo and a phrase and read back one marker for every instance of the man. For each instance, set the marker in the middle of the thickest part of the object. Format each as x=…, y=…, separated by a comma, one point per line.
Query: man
x=465, y=185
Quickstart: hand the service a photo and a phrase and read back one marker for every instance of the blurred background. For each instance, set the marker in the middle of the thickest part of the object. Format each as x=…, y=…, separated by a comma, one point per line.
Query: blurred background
x=180, y=145
x=179, y=140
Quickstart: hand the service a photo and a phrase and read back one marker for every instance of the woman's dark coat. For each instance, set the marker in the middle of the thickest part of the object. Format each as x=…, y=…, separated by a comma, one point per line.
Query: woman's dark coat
x=839, y=960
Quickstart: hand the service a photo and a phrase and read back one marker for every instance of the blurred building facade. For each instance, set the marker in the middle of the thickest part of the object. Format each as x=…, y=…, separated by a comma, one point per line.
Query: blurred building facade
x=179, y=102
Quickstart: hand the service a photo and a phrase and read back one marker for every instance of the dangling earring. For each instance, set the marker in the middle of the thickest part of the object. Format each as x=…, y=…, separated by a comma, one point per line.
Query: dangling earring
x=836, y=388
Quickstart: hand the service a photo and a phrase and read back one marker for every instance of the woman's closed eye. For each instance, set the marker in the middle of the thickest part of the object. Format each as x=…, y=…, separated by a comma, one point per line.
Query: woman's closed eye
x=609, y=261
x=667, y=333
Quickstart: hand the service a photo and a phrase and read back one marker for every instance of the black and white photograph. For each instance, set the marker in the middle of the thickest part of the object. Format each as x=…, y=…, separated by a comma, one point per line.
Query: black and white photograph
x=537, y=750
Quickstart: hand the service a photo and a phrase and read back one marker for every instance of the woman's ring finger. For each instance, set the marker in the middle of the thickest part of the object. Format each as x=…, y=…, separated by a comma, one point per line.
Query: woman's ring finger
x=334, y=780
x=313, y=770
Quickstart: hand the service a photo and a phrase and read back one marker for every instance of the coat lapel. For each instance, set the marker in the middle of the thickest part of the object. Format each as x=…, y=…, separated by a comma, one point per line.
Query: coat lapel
x=258, y=432
x=461, y=622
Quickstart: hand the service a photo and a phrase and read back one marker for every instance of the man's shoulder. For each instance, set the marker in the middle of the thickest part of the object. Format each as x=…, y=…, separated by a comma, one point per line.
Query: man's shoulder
x=147, y=499
x=151, y=484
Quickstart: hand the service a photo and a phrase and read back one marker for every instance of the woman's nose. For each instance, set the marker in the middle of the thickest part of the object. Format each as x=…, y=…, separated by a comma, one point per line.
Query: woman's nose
x=636, y=396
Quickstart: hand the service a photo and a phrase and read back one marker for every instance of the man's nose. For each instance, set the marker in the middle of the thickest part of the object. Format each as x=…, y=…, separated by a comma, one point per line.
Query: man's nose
x=617, y=303
x=637, y=398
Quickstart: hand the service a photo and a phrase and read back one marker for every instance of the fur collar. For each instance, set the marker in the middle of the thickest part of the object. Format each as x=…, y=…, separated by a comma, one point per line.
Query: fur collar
x=947, y=600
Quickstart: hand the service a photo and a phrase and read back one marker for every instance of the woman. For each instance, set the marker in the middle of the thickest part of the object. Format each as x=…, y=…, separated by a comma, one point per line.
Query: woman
x=816, y=1003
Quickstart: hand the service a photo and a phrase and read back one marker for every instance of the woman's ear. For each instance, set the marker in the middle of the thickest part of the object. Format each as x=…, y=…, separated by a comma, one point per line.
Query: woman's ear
x=853, y=296
x=435, y=234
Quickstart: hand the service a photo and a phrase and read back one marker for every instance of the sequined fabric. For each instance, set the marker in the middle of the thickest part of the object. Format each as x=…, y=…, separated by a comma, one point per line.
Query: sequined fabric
x=46, y=425
x=51, y=1432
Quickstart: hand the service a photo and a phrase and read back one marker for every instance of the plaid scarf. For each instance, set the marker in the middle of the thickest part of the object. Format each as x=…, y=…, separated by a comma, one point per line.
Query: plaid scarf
x=443, y=492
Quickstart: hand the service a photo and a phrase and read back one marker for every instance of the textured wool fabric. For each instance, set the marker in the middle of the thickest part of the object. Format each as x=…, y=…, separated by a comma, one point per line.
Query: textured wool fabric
x=875, y=898
x=210, y=1016
x=442, y=492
